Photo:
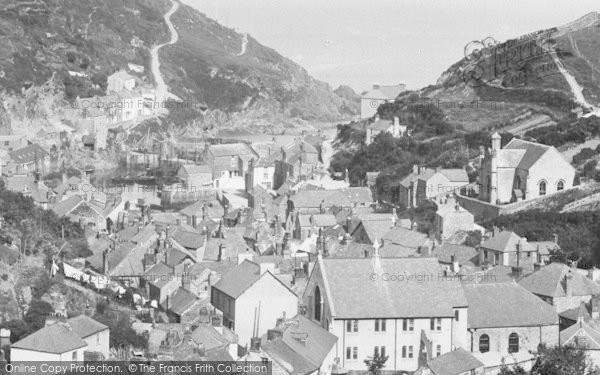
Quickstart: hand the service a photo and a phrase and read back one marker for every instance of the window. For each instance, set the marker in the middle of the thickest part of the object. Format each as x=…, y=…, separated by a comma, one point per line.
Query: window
x=379, y=325
x=348, y=353
x=265, y=360
x=435, y=324
x=485, y=255
x=404, y=352
x=97, y=339
x=542, y=187
x=438, y=350
x=265, y=176
x=456, y=315
x=354, y=353
x=74, y=356
x=408, y=324
x=431, y=324
x=351, y=325
x=513, y=343
x=376, y=352
x=318, y=304
x=484, y=343
x=560, y=185
x=382, y=351
x=410, y=351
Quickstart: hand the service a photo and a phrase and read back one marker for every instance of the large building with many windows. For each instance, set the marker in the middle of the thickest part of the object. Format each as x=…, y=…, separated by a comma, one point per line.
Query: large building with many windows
x=398, y=307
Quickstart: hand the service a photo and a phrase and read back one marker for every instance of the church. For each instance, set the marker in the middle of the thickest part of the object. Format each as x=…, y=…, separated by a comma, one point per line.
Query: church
x=522, y=170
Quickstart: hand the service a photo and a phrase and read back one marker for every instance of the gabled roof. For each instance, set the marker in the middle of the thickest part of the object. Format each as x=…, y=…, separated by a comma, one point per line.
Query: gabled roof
x=181, y=301
x=65, y=207
x=550, y=281
x=381, y=125
x=192, y=169
x=350, y=282
x=189, y=240
x=231, y=149
x=405, y=237
x=388, y=92
x=533, y=151
x=28, y=154
x=455, y=174
x=210, y=338
x=456, y=362
x=463, y=254
x=506, y=242
x=306, y=357
x=159, y=275
x=339, y=197
x=519, y=308
x=582, y=335
x=85, y=326
x=237, y=281
x=56, y=338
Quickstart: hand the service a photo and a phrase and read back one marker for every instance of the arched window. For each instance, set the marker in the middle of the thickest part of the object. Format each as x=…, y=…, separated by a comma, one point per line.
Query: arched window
x=542, y=187
x=318, y=304
x=484, y=343
x=560, y=185
x=513, y=343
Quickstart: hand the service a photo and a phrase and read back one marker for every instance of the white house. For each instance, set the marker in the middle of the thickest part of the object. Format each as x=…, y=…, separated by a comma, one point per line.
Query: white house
x=371, y=100
x=522, y=170
x=428, y=183
x=399, y=307
x=252, y=299
x=120, y=81
x=394, y=128
x=63, y=342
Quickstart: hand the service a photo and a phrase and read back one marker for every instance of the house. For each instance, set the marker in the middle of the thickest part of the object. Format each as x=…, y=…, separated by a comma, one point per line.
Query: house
x=456, y=362
x=119, y=81
x=394, y=128
x=451, y=218
x=251, y=299
x=193, y=175
x=426, y=183
x=522, y=170
x=261, y=173
x=27, y=160
x=12, y=142
x=229, y=164
x=206, y=274
x=78, y=210
x=184, y=307
x=63, y=342
x=319, y=201
x=300, y=346
x=29, y=186
x=509, y=249
x=371, y=100
x=506, y=323
x=213, y=337
x=297, y=161
x=355, y=300
x=161, y=281
x=94, y=333
x=310, y=224
x=560, y=286
x=456, y=256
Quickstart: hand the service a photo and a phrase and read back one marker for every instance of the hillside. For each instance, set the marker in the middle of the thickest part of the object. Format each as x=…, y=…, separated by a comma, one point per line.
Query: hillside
x=56, y=50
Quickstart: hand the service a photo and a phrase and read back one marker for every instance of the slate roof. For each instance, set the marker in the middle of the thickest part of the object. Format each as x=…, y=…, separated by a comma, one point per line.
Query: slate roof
x=340, y=197
x=506, y=242
x=28, y=154
x=159, y=275
x=388, y=92
x=181, y=301
x=464, y=254
x=208, y=336
x=455, y=175
x=307, y=357
x=55, y=338
x=533, y=151
x=192, y=169
x=237, y=281
x=189, y=240
x=320, y=220
x=381, y=125
x=573, y=335
x=231, y=149
x=549, y=281
x=495, y=305
x=233, y=244
x=405, y=237
x=85, y=326
x=349, y=283
x=455, y=362
x=65, y=207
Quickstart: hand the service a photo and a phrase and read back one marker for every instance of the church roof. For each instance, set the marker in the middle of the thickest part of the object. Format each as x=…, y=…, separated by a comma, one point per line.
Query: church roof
x=532, y=151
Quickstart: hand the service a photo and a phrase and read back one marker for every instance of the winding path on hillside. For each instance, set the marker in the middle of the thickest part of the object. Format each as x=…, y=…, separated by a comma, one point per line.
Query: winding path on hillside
x=162, y=90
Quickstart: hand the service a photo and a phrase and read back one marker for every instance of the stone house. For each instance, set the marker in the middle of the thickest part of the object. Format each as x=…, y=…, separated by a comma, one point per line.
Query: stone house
x=427, y=183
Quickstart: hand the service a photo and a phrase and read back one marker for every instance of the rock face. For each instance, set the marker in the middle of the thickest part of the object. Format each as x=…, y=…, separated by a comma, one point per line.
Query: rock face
x=83, y=41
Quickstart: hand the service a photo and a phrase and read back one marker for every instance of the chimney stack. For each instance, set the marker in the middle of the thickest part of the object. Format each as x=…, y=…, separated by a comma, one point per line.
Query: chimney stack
x=255, y=344
x=416, y=169
x=569, y=284
x=105, y=265
x=215, y=321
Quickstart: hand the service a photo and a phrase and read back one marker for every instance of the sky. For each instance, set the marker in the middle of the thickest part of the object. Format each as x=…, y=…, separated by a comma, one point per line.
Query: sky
x=362, y=42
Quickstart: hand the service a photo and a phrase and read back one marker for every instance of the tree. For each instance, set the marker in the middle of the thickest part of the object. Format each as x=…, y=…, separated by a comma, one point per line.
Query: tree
x=515, y=370
x=561, y=360
x=376, y=363
x=473, y=238
x=37, y=313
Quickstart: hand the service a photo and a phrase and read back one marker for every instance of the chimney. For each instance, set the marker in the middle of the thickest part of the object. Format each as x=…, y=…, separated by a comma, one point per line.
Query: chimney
x=455, y=265
x=274, y=334
x=185, y=278
x=416, y=169
x=596, y=307
x=220, y=255
x=105, y=264
x=569, y=283
x=496, y=142
x=216, y=323
x=255, y=344
x=204, y=212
